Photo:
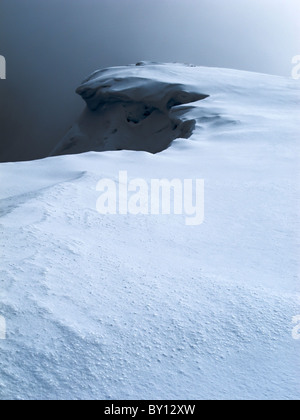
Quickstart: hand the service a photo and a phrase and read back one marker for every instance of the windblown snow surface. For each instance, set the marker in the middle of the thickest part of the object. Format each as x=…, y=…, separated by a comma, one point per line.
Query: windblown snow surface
x=145, y=307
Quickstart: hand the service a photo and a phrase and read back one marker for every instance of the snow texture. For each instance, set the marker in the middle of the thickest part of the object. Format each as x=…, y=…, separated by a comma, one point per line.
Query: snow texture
x=144, y=307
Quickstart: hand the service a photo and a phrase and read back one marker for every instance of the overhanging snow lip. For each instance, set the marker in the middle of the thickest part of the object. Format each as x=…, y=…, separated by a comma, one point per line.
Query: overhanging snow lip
x=136, y=89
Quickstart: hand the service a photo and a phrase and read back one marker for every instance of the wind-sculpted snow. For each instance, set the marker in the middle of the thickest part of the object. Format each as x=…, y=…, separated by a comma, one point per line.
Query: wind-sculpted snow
x=142, y=306
x=130, y=111
x=147, y=106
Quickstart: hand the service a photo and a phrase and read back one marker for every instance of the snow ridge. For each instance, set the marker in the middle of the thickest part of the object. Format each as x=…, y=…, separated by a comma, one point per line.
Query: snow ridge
x=144, y=307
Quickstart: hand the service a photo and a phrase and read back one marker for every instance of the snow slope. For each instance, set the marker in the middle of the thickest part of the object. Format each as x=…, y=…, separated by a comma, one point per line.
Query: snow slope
x=145, y=307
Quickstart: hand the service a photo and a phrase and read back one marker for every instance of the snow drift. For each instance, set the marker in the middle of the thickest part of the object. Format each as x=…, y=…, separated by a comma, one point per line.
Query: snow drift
x=144, y=307
x=128, y=109
x=147, y=106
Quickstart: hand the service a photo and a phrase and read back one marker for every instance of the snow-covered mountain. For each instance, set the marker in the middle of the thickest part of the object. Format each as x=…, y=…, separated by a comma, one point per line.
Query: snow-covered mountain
x=146, y=106
x=143, y=306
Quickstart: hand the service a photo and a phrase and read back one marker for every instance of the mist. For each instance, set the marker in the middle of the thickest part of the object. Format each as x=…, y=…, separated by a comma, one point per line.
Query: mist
x=50, y=46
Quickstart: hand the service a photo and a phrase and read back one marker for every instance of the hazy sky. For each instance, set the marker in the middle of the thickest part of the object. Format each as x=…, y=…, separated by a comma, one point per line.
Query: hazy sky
x=51, y=45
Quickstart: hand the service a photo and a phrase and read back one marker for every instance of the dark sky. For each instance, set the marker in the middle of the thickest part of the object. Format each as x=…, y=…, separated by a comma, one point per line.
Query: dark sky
x=51, y=45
